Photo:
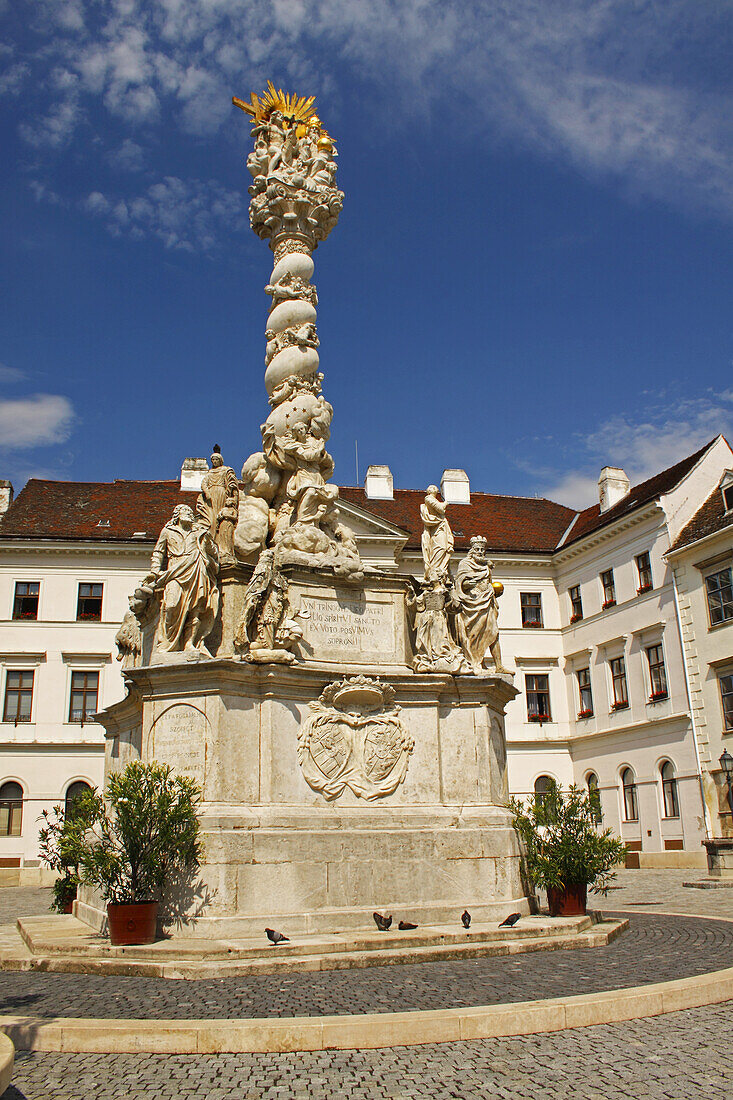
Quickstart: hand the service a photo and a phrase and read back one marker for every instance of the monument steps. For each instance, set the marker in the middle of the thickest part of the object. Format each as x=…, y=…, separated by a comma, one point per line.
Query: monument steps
x=65, y=945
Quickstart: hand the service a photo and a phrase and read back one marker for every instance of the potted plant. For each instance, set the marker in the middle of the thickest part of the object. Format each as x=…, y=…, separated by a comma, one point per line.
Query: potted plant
x=145, y=830
x=564, y=850
x=60, y=848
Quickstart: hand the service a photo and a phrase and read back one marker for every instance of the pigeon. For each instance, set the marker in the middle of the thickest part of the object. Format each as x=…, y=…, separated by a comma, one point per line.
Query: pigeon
x=466, y=918
x=510, y=921
x=405, y=926
x=276, y=937
x=381, y=922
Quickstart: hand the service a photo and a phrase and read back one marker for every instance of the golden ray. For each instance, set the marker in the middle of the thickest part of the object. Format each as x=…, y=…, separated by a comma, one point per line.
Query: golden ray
x=297, y=110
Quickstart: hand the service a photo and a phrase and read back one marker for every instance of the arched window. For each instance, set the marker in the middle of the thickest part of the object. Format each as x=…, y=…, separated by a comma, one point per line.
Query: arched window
x=631, y=809
x=542, y=785
x=669, y=790
x=73, y=791
x=595, y=796
x=11, y=809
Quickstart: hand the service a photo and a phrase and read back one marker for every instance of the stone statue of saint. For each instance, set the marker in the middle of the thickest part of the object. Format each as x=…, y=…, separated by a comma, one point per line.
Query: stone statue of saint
x=307, y=487
x=435, y=649
x=437, y=537
x=184, y=569
x=218, y=505
x=267, y=631
x=477, y=622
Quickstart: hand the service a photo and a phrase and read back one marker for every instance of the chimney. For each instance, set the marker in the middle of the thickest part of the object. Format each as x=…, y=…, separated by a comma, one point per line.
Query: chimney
x=455, y=487
x=192, y=473
x=613, y=486
x=378, y=484
x=6, y=496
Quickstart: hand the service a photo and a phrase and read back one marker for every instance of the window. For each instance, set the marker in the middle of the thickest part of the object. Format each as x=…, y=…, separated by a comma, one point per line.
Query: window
x=669, y=790
x=719, y=587
x=89, y=603
x=11, y=809
x=531, y=608
x=657, y=674
x=628, y=782
x=543, y=784
x=644, y=569
x=84, y=691
x=620, y=690
x=576, y=604
x=726, y=696
x=18, y=696
x=74, y=791
x=594, y=795
x=609, y=589
x=538, y=698
x=728, y=497
x=25, y=604
x=586, y=693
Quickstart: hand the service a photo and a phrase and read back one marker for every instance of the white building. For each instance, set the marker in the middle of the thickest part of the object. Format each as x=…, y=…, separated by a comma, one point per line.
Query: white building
x=588, y=618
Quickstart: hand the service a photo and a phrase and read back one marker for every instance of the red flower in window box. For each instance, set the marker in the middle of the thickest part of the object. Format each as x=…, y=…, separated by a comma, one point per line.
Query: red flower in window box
x=532, y=623
x=622, y=704
x=644, y=588
x=539, y=718
x=575, y=619
x=609, y=603
x=585, y=714
x=657, y=696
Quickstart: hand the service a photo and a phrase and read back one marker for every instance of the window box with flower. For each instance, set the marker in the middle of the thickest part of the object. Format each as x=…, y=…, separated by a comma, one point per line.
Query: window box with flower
x=643, y=588
x=539, y=718
x=658, y=696
x=622, y=704
x=575, y=619
x=608, y=603
x=585, y=714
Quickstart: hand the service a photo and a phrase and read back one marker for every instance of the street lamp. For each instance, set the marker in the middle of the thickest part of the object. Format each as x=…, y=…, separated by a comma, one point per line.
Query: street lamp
x=726, y=763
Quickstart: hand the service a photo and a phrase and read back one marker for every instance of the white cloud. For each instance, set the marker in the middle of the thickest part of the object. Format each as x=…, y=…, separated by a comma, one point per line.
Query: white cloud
x=10, y=374
x=188, y=215
x=640, y=447
x=129, y=156
x=617, y=88
x=38, y=420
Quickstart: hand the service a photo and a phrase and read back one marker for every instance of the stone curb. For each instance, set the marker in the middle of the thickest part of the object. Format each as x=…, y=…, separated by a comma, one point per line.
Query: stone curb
x=382, y=1029
x=7, y=1060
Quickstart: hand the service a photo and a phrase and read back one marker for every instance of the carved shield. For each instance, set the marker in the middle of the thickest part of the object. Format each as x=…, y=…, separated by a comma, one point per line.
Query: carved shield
x=382, y=748
x=329, y=747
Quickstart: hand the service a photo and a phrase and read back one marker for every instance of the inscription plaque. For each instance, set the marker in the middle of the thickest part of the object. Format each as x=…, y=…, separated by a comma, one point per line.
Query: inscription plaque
x=179, y=739
x=350, y=626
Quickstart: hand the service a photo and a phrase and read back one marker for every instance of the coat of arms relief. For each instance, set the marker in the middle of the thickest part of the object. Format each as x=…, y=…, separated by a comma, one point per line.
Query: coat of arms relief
x=354, y=738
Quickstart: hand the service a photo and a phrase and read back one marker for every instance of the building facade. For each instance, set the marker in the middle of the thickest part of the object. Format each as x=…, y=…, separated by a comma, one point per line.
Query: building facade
x=605, y=620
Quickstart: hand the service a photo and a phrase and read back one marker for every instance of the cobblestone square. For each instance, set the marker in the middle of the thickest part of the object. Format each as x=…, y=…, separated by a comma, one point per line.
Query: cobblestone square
x=671, y=1057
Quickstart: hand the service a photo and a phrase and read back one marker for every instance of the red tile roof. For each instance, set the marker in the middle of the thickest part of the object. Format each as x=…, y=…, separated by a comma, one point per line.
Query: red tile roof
x=591, y=519
x=707, y=520
x=526, y=524
x=75, y=509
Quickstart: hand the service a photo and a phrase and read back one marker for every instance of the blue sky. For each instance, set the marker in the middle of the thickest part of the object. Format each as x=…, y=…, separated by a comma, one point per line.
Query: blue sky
x=530, y=278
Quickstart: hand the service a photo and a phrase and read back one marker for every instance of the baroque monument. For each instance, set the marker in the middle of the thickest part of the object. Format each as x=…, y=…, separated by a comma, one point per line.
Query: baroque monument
x=343, y=724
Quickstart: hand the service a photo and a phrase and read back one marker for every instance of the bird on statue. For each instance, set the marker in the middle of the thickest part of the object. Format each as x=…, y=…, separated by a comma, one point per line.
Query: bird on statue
x=276, y=937
x=405, y=926
x=381, y=922
x=466, y=918
x=510, y=921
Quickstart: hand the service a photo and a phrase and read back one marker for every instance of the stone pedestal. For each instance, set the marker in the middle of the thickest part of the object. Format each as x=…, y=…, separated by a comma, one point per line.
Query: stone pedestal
x=279, y=851
x=720, y=857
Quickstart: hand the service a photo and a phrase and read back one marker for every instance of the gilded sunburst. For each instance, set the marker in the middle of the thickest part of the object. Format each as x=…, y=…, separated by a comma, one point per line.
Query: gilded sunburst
x=297, y=110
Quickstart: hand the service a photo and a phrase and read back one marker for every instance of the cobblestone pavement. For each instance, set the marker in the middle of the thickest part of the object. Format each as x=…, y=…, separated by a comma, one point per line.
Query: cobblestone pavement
x=662, y=891
x=23, y=901
x=681, y=1056
x=653, y=949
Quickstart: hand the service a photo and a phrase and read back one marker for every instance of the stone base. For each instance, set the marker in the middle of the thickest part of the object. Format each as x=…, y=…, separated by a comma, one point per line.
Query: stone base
x=397, y=802
x=720, y=857
x=65, y=944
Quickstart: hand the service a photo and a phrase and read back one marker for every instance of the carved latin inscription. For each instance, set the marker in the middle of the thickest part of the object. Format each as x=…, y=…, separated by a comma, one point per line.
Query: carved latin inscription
x=347, y=626
x=179, y=739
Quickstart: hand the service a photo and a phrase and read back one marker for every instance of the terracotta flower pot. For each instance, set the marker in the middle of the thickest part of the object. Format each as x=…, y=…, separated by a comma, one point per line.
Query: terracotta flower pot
x=132, y=924
x=568, y=901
